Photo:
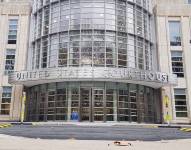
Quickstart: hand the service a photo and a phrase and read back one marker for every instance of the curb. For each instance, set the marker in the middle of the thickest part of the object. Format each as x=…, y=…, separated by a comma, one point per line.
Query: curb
x=176, y=126
x=170, y=127
x=24, y=123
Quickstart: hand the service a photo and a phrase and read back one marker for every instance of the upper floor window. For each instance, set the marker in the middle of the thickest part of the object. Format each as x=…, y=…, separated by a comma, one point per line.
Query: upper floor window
x=180, y=102
x=12, y=35
x=175, y=33
x=177, y=63
x=10, y=61
x=189, y=1
x=6, y=100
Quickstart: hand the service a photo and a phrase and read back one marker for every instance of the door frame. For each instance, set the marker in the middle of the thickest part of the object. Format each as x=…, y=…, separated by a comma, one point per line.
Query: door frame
x=90, y=104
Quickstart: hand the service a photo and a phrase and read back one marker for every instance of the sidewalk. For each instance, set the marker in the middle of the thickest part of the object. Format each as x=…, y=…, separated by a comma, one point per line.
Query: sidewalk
x=19, y=143
x=52, y=123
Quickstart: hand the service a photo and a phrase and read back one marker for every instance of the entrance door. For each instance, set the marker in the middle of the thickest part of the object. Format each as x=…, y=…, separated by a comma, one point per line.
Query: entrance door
x=91, y=104
x=85, y=104
x=98, y=105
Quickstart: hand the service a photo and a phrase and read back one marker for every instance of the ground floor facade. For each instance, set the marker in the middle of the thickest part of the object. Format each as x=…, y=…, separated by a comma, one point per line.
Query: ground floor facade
x=10, y=102
x=93, y=101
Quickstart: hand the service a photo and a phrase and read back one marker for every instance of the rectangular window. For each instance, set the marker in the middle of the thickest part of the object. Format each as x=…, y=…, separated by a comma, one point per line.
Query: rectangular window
x=10, y=61
x=6, y=100
x=189, y=1
x=175, y=33
x=177, y=63
x=180, y=103
x=12, y=35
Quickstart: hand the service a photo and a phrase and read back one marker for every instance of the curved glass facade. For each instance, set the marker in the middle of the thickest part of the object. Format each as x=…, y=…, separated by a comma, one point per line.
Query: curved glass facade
x=92, y=33
x=92, y=101
x=110, y=33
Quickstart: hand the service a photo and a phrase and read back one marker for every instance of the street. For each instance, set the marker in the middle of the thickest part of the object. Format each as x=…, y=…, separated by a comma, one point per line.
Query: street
x=116, y=132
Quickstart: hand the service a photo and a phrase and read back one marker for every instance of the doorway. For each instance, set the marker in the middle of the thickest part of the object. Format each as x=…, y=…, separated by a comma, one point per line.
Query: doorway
x=91, y=104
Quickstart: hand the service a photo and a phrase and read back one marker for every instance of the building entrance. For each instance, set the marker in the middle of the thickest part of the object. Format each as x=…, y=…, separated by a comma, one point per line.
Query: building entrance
x=93, y=101
x=91, y=104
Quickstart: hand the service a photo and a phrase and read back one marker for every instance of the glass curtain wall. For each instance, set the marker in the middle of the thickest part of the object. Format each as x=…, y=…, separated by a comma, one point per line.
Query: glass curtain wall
x=111, y=33
x=100, y=101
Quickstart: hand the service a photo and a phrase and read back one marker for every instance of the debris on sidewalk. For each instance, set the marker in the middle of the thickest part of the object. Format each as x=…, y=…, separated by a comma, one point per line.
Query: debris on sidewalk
x=122, y=143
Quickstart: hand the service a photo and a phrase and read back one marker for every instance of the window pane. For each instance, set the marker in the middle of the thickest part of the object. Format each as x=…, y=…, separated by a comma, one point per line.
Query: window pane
x=175, y=33
x=12, y=36
x=6, y=100
x=10, y=61
x=177, y=63
x=180, y=102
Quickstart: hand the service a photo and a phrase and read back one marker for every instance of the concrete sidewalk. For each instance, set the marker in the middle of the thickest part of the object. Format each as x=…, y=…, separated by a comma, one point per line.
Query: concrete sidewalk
x=52, y=123
x=20, y=143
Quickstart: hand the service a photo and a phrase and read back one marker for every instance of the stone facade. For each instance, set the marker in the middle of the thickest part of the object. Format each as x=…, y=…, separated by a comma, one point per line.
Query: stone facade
x=179, y=11
x=19, y=10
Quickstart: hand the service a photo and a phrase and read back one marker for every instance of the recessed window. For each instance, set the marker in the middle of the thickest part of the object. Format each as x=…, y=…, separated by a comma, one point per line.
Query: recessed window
x=180, y=103
x=175, y=33
x=6, y=100
x=177, y=63
x=10, y=61
x=12, y=35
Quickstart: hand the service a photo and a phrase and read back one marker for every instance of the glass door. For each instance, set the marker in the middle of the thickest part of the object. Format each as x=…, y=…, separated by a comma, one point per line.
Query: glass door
x=85, y=100
x=98, y=105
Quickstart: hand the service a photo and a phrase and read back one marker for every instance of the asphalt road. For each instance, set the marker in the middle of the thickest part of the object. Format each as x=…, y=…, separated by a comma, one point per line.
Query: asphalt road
x=130, y=133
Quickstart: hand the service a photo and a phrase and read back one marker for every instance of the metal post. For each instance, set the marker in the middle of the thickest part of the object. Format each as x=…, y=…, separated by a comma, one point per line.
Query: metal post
x=22, y=113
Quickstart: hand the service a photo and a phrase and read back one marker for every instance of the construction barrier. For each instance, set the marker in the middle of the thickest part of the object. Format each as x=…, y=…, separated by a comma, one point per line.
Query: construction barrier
x=5, y=125
x=185, y=129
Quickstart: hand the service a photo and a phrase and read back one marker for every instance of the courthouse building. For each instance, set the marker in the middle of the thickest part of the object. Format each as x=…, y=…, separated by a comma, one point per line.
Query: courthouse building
x=103, y=60
x=94, y=58
x=14, y=29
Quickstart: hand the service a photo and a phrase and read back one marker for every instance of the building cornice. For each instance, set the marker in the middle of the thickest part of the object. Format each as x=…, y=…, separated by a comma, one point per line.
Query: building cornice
x=21, y=8
x=173, y=10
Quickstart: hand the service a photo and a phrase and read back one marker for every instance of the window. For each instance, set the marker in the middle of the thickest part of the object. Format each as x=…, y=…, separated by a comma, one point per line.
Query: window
x=175, y=33
x=12, y=35
x=180, y=103
x=10, y=61
x=44, y=52
x=46, y=20
x=6, y=100
x=177, y=63
x=189, y=1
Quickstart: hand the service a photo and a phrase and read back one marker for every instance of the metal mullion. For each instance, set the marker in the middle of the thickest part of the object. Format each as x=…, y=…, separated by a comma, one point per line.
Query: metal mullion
x=49, y=29
x=37, y=104
x=80, y=103
x=79, y=99
x=35, y=41
x=92, y=99
x=143, y=35
x=104, y=104
x=93, y=34
x=105, y=53
x=117, y=102
x=135, y=37
x=58, y=34
x=127, y=36
x=42, y=30
x=137, y=103
x=80, y=58
x=116, y=33
x=69, y=27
